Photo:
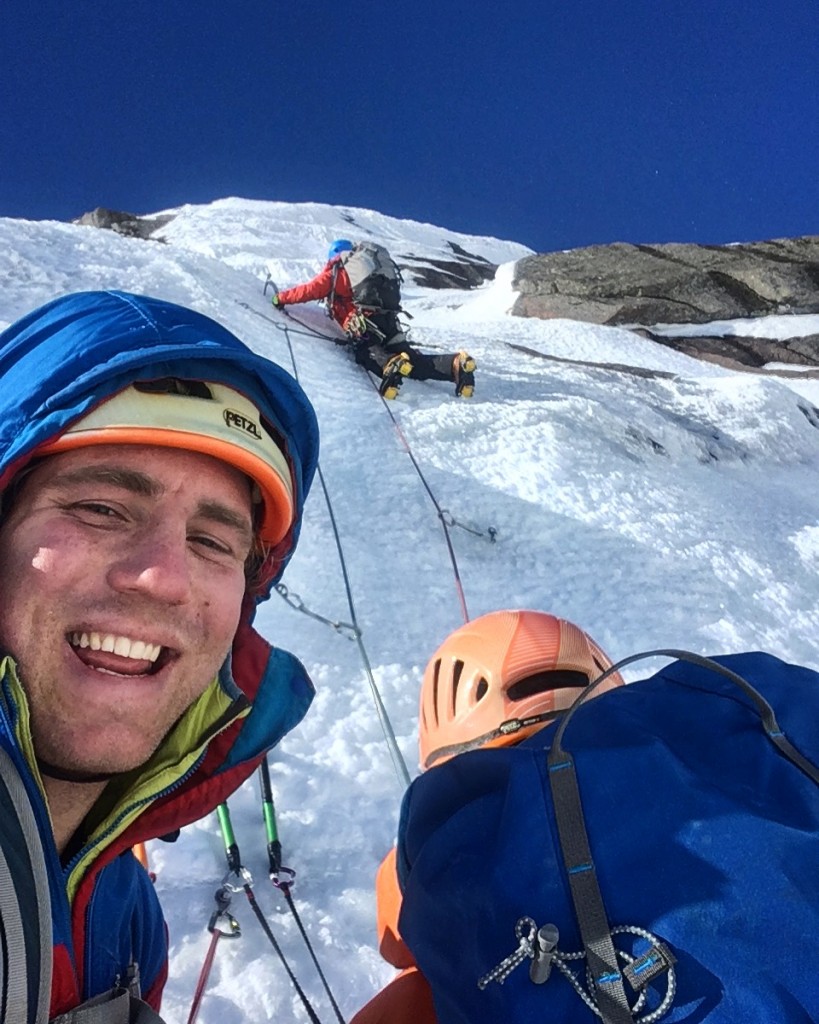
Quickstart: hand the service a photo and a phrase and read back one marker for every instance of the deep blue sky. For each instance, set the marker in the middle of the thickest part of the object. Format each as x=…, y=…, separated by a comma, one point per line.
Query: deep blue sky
x=556, y=123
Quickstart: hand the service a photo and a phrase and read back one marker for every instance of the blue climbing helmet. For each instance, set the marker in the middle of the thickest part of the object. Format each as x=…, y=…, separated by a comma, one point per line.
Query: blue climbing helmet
x=339, y=246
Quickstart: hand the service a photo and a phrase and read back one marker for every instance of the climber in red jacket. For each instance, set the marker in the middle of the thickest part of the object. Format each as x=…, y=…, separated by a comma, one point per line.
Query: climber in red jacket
x=367, y=309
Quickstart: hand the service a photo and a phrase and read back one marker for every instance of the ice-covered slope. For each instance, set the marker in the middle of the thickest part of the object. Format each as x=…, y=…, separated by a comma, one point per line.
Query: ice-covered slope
x=655, y=500
x=293, y=238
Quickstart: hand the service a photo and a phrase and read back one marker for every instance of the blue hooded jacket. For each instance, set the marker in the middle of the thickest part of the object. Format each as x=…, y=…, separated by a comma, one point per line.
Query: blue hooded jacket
x=56, y=364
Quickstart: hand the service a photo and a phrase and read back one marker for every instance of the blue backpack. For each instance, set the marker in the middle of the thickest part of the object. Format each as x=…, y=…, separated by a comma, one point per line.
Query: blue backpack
x=653, y=857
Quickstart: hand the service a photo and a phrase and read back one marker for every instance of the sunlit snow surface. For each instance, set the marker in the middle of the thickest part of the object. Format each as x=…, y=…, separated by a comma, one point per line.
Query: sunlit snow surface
x=656, y=500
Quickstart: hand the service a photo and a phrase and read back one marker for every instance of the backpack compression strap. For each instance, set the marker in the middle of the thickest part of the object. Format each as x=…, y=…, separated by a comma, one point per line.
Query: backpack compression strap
x=595, y=931
x=574, y=841
x=118, y=1006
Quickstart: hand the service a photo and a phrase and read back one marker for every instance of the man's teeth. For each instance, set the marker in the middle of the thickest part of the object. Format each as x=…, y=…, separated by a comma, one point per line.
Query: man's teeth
x=139, y=650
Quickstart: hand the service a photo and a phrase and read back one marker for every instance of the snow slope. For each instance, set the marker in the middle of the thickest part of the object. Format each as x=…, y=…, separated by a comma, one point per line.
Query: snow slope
x=655, y=500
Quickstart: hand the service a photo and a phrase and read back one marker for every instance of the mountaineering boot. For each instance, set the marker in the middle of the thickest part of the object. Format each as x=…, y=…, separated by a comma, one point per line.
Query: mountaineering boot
x=463, y=373
x=393, y=373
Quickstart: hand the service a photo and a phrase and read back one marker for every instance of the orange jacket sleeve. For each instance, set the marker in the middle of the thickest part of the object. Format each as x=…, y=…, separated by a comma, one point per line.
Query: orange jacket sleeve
x=388, y=907
x=407, y=999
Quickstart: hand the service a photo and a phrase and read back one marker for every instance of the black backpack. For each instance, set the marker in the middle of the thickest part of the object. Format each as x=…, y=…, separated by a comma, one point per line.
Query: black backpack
x=374, y=276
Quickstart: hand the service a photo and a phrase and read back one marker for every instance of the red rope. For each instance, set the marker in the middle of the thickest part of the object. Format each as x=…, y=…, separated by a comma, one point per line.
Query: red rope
x=203, y=976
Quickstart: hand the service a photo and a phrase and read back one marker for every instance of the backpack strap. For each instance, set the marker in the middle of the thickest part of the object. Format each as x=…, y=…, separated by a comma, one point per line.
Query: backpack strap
x=25, y=906
x=26, y=930
x=331, y=298
x=595, y=931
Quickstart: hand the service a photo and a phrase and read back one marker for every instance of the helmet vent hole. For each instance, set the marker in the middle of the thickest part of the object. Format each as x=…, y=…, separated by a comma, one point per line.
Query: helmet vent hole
x=542, y=682
x=174, y=386
x=436, y=672
x=457, y=669
x=482, y=689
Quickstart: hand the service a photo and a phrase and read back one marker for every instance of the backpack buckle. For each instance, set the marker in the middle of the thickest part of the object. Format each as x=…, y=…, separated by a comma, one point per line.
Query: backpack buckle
x=644, y=969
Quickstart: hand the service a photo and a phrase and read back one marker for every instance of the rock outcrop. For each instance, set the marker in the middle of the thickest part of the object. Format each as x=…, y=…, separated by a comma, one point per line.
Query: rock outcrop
x=124, y=223
x=629, y=285
x=744, y=352
x=465, y=270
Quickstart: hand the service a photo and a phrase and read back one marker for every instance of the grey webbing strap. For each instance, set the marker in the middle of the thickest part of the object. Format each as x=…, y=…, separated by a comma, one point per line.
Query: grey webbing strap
x=27, y=944
x=331, y=298
x=13, y=987
x=609, y=993
x=764, y=709
x=115, y=1007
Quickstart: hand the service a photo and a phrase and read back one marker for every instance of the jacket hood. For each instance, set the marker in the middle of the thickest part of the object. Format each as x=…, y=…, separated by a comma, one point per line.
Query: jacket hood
x=64, y=358
x=56, y=364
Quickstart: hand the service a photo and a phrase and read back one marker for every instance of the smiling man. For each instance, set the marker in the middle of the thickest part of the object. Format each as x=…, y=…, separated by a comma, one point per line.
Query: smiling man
x=152, y=472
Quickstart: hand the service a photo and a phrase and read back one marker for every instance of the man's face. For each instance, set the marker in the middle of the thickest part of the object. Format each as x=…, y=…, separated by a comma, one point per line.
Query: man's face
x=122, y=575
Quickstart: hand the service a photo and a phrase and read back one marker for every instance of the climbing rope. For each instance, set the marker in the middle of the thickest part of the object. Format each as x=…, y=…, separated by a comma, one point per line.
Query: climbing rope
x=222, y=898
x=238, y=877
x=386, y=725
x=447, y=536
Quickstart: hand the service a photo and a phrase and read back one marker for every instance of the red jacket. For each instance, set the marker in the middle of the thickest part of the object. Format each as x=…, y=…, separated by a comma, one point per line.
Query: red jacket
x=321, y=286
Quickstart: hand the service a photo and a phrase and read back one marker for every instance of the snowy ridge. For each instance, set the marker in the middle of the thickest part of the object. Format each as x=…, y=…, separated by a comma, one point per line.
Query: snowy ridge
x=292, y=238
x=656, y=500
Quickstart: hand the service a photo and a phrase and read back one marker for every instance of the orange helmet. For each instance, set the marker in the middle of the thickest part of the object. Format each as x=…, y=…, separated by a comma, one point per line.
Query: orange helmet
x=502, y=677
